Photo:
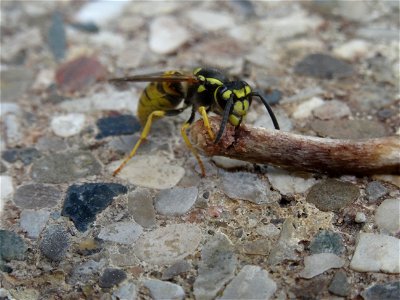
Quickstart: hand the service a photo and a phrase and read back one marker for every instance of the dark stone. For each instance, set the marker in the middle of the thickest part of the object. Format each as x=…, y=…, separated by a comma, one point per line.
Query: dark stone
x=117, y=125
x=339, y=284
x=89, y=27
x=176, y=269
x=327, y=242
x=36, y=196
x=243, y=7
x=332, y=194
x=140, y=205
x=26, y=155
x=57, y=37
x=273, y=97
x=388, y=291
x=310, y=289
x=375, y=190
x=64, y=167
x=83, y=202
x=12, y=246
x=323, y=66
x=111, y=277
x=55, y=242
x=79, y=74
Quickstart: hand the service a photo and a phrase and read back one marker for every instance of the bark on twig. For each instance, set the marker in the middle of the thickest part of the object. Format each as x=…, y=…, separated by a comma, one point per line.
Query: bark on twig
x=301, y=153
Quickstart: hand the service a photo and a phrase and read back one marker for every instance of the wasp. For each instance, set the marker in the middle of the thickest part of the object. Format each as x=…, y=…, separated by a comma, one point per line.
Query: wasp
x=206, y=89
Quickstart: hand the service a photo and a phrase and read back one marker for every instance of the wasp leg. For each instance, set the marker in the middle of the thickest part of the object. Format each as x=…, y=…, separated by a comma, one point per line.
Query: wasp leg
x=189, y=144
x=143, y=135
x=203, y=112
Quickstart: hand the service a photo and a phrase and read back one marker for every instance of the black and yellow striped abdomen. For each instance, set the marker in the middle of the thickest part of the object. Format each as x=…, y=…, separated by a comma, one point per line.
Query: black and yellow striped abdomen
x=160, y=96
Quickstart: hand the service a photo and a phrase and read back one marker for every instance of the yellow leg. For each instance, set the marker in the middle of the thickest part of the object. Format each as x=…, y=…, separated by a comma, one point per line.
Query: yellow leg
x=143, y=135
x=203, y=112
x=191, y=148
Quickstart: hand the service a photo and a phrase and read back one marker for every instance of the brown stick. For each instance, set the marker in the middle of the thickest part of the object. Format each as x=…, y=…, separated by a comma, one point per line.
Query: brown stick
x=301, y=153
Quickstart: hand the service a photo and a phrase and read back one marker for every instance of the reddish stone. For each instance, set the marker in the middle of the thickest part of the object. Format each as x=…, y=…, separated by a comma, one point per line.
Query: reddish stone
x=78, y=74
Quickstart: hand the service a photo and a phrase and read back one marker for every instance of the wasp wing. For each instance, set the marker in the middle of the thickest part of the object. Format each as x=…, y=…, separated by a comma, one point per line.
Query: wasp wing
x=171, y=76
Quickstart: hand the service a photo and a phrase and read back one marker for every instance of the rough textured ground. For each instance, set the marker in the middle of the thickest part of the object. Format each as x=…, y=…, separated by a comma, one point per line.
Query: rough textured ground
x=69, y=230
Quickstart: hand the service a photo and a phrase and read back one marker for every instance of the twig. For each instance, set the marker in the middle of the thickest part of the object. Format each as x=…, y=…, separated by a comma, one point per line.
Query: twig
x=301, y=153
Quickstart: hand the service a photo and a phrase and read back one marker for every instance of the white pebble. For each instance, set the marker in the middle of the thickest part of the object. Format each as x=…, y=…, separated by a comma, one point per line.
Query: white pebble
x=150, y=171
x=360, y=217
x=9, y=107
x=100, y=12
x=6, y=189
x=68, y=125
x=210, y=20
x=352, y=49
x=387, y=216
x=13, y=129
x=319, y=263
x=304, y=109
x=167, y=35
x=376, y=253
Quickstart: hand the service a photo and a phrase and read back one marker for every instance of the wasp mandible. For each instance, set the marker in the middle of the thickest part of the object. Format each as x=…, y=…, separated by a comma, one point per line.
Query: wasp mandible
x=170, y=93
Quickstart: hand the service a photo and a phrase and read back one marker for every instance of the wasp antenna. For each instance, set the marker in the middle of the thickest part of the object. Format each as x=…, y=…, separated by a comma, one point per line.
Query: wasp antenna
x=225, y=116
x=271, y=113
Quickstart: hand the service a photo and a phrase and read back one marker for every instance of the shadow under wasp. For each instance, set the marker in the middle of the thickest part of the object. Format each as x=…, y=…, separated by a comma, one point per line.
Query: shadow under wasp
x=170, y=93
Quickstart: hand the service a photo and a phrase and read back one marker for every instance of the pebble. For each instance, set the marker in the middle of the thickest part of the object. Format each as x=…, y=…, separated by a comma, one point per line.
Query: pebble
x=3, y=169
x=323, y=66
x=267, y=230
x=387, y=216
x=349, y=129
x=26, y=155
x=127, y=291
x=168, y=244
x=305, y=109
x=67, y=125
x=12, y=246
x=332, y=194
x=286, y=246
x=122, y=232
x=175, y=201
x=340, y=285
x=79, y=74
x=257, y=247
x=360, y=217
x=177, y=268
x=9, y=108
x=51, y=144
x=210, y=20
x=375, y=190
x=303, y=95
x=376, y=253
x=64, y=167
x=56, y=37
x=33, y=221
x=6, y=189
x=84, y=272
x=111, y=277
x=140, y=206
x=333, y=109
x=248, y=186
x=15, y=82
x=387, y=291
x=83, y=202
x=37, y=196
x=287, y=183
x=164, y=290
x=100, y=12
x=151, y=171
x=319, y=263
x=167, y=35
x=229, y=163
x=327, y=242
x=124, y=100
x=352, y=49
x=13, y=130
x=252, y=282
x=217, y=267
x=55, y=242
x=117, y=125
x=243, y=7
